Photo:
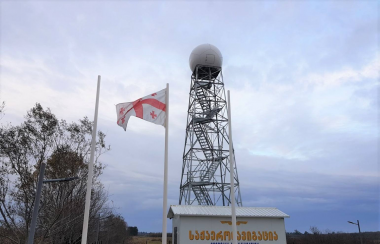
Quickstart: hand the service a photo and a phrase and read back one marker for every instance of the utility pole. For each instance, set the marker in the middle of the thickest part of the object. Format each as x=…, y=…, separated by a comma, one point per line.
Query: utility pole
x=38, y=197
x=36, y=203
x=360, y=234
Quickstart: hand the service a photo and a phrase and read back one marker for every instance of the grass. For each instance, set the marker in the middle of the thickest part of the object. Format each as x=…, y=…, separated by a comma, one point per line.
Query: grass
x=148, y=240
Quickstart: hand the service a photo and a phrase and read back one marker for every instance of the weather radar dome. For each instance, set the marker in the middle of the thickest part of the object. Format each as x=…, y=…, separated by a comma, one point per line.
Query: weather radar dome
x=205, y=54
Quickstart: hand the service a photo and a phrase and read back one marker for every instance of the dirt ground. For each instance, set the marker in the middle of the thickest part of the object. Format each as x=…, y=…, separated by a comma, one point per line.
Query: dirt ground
x=148, y=240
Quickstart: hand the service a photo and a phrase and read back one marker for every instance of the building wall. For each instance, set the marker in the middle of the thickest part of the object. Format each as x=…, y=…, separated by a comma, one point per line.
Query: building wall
x=209, y=230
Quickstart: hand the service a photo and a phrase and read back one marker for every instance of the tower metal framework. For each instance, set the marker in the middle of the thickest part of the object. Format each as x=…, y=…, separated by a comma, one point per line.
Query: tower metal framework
x=206, y=168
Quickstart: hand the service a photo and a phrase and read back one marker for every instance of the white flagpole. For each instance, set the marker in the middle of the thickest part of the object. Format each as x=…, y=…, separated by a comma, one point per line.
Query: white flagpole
x=90, y=169
x=165, y=201
x=232, y=194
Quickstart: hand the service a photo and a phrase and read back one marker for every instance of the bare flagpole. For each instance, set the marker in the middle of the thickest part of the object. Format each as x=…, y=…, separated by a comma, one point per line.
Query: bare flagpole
x=232, y=194
x=165, y=200
x=90, y=169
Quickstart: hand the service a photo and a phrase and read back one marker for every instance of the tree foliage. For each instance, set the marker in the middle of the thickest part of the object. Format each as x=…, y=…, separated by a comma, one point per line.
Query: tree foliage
x=133, y=230
x=330, y=237
x=114, y=230
x=65, y=148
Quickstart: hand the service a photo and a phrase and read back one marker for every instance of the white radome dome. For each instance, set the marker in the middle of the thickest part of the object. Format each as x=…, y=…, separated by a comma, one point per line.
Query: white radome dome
x=205, y=54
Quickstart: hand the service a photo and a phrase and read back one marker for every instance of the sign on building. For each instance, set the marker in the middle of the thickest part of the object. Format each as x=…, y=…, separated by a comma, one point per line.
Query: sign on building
x=196, y=224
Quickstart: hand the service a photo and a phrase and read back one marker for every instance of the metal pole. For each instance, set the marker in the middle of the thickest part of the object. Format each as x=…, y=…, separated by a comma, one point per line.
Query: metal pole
x=360, y=234
x=165, y=202
x=90, y=169
x=36, y=204
x=232, y=194
x=61, y=180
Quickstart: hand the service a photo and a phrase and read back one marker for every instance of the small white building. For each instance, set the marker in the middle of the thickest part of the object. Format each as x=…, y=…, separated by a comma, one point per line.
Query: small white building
x=196, y=224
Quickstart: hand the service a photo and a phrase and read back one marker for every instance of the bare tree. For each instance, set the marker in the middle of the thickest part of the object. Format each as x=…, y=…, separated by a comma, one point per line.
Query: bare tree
x=113, y=230
x=65, y=148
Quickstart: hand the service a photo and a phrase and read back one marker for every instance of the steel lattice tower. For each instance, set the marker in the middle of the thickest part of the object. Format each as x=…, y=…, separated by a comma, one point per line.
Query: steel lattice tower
x=205, y=176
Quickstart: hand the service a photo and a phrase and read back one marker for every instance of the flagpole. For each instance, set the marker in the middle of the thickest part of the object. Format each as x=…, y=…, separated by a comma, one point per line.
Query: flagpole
x=90, y=169
x=232, y=194
x=165, y=200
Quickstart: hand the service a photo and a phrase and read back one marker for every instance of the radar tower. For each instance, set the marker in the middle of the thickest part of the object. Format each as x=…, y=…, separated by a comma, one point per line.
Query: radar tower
x=206, y=168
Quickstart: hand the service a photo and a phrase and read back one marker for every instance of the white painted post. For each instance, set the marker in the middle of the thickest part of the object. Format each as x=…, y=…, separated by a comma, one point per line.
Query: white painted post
x=232, y=195
x=165, y=200
x=90, y=169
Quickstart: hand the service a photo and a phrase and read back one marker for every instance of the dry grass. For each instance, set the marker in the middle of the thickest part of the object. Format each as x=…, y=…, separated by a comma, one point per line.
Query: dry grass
x=148, y=240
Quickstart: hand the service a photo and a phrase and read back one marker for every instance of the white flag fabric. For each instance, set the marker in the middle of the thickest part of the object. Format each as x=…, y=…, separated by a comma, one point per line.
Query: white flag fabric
x=151, y=108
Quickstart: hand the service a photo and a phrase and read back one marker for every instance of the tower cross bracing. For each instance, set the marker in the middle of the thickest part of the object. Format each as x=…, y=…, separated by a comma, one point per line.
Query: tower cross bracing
x=206, y=168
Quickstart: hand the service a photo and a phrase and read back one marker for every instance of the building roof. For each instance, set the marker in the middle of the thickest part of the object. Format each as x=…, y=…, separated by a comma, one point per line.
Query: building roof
x=224, y=211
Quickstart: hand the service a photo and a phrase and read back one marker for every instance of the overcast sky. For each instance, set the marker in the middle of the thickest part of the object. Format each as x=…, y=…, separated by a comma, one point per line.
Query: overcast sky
x=304, y=81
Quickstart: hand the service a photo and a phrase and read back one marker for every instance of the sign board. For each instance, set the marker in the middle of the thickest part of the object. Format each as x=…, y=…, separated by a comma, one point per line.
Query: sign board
x=215, y=230
x=194, y=226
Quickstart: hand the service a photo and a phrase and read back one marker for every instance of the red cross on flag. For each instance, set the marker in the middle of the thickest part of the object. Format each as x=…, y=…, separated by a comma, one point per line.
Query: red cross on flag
x=151, y=108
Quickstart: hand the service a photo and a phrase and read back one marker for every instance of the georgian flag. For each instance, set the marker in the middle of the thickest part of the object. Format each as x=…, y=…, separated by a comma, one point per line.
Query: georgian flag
x=151, y=108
